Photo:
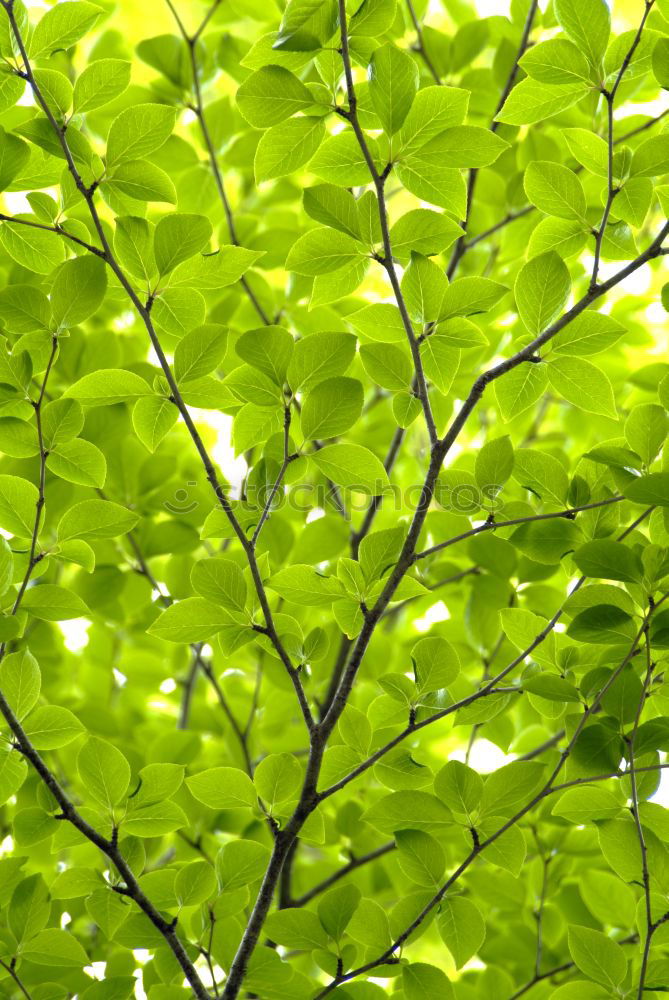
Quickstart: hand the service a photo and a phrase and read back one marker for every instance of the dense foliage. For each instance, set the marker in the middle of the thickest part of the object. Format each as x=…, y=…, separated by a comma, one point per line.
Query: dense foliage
x=332, y=409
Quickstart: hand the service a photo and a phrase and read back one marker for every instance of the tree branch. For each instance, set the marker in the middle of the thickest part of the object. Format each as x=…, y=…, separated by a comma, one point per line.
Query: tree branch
x=145, y=315
x=484, y=692
x=480, y=846
x=420, y=43
x=461, y=246
x=342, y=872
x=609, y=97
x=68, y=811
x=569, y=513
x=190, y=42
x=379, y=181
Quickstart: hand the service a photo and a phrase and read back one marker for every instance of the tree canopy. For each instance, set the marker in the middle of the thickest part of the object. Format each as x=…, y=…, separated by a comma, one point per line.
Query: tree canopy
x=334, y=504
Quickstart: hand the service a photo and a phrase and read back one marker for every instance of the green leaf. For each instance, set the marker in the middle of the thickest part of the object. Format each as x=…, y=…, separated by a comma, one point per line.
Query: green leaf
x=393, y=84
x=542, y=474
x=25, y=307
x=306, y=25
x=424, y=231
x=331, y=408
x=296, y=928
x=51, y=727
x=141, y=180
x=597, y=956
x=424, y=287
x=104, y=772
x=589, y=149
x=152, y=418
x=532, y=101
x=587, y=24
x=220, y=580
x=511, y=787
x=421, y=857
x=608, y=560
x=583, y=805
x=650, y=489
x=651, y=158
x=336, y=908
x=223, y=788
x=433, y=110
x=422, y=981
x=388, y=365
x=459, y=787
x=96, y=519
x=35, y=249
x=556, y=61
x=133, y=245
x=409, y=810
x=13, y=773
x=62, y=26
x=20, y=682
x=340, y=160
x=100, y=83
x=52, y=603
x=239, y=863
x=333, y=206
x=305, y=585
x=138, y=131
x=288, y=146
x=589, y=333
x=195, y=883
x=494, y=463
x=79, y=462
x=520, y=388
x=322, y=250
x=78, y=290
x=461, y=927
x=108, y=385
x=353, y=467
x=199, y=352
x=583, y=384
x=541, y=290
x=555, y=189
x=178, y=237
x=18, y=505
x=270, y=95
x=192, y=620
x=468, y=296
x=464, y=146
x=277, y=778
x=435, y=663
x=14, y=154
x=646, y=429
x=52, y=946
x=424, y=174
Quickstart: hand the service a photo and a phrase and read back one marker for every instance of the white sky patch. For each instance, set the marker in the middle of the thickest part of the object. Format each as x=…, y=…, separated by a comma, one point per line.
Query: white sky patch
x=96, y=970
x=484, y=756
x=75, y=633
x=661, y=796
x=437, y=613
x=16, y=202
x=168, y=685
x=234, y=468
x=490, y=8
